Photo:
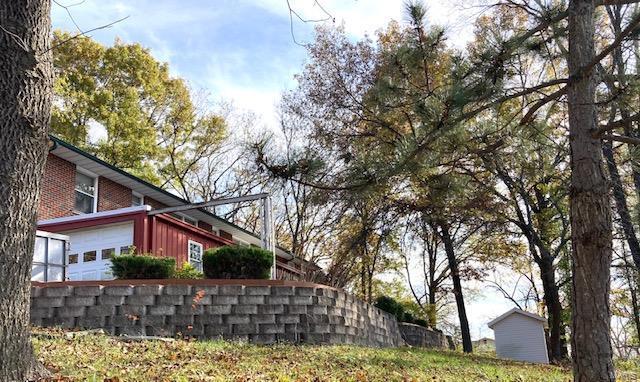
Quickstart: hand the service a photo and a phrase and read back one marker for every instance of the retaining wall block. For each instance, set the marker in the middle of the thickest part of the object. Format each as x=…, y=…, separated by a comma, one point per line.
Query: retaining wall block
x=288, y=319
x=245, y=309
x=36, y=292
x=305, y=291
x=152, y=320
x=49, y=302
x=180, y=319
x=119, y=290
x=270, y=309
x=70, y=311
x=140, y=299
x=214, y=331
x=254, y=299
x=224, y=300
x=301, y=300
x=283, y=291
x=91, y=322
x=170, y=299
x=147, y=290
x=238, y=319
x=244, y=329
x=41, y=312
x=268, y=328
x=191, y=309
x=230, y=290
x=296, y=309
x=132, y=310
x=59, y=291
x=208, y=319
x=110, y=300
x=277, y=300
x=257, y=290
x=218, y=309
x=179, y=290
x=263, y=318
x=100, y=311
x=87, y=291
x=161, y=310
x=80, y=301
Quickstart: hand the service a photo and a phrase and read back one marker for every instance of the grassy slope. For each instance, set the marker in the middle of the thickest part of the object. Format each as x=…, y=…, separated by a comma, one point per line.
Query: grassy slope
x=99, y=358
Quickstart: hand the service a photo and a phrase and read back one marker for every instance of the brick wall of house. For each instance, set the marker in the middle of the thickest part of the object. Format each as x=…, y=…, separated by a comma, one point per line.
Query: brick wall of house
x=153, y=203
x=112, y=196
x=57, y=197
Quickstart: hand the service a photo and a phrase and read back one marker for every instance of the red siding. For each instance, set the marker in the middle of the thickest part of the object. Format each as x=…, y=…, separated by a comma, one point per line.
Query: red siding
x=57, y=197
x=112, y=195
x=170, y=237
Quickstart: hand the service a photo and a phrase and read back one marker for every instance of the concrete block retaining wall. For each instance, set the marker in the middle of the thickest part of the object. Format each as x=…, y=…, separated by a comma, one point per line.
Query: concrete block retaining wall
x=420, y=336
x=259, y=311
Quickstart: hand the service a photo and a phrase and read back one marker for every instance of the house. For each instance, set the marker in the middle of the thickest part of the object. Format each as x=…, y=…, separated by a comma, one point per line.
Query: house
x=105, y=211
x=520, y=336
x=485, y=343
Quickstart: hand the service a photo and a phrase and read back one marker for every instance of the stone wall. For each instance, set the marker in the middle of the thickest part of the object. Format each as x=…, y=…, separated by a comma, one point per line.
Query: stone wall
x=253, y=310
x=420, y=336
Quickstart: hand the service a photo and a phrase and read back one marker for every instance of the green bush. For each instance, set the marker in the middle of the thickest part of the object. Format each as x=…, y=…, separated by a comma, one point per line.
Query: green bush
x=236, y=262
x=390, y=305
x=142, y=267
x=421, y=322
x=188, y=272
x=408, y=317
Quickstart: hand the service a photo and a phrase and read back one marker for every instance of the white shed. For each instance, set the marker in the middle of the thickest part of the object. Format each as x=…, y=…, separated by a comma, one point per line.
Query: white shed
x=520, y=336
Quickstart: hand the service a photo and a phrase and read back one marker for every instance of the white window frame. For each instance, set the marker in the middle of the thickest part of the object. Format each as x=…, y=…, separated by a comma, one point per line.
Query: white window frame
x=189, y=242
x=139, y=195
x=95, y=190
x=183, y=218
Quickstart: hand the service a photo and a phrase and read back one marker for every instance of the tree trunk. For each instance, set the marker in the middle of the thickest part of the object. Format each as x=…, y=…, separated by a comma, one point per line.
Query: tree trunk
x=557, y=348
x=449, y=249
x=591, y=225
x=25, y=103
x=622, y=207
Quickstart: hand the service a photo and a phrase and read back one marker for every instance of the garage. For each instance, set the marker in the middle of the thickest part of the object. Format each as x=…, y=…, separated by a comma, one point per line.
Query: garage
x=91, y=249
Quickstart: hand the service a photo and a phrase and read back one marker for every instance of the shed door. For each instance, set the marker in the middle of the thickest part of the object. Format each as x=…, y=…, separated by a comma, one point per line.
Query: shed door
x=91, y=249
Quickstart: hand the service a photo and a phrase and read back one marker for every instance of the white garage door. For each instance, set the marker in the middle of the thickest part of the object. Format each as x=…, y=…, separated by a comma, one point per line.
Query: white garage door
x=91, y=249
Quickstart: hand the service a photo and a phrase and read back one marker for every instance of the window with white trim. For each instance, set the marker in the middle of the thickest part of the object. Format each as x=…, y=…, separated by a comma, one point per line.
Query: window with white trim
x=136, y=199
x=195, y=254
x=85, y=193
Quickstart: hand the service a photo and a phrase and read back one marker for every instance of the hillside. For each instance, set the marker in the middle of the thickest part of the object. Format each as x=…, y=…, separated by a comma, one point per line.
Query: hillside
x=98, y=357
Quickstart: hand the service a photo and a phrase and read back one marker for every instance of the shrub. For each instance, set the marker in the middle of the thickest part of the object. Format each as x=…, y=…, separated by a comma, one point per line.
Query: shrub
x=188, y=272
x=142, y=267
x=408, y=317
x=236, y=262
x=421, y=322
x=390, y=305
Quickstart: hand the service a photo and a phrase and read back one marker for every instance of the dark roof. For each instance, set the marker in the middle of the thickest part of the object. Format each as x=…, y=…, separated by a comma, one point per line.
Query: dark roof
x=60, y=142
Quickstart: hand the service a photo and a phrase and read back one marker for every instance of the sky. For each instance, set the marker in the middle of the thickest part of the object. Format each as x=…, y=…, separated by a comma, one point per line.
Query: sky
x=243, y=52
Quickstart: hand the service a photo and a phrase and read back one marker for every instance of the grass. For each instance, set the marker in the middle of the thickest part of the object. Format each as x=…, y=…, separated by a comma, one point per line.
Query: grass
x=98, y=357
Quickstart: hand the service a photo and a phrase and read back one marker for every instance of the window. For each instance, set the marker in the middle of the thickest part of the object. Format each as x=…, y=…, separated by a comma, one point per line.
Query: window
x=85, y=193
x=125, y=250
x=89, y=256
x=195, y=255
x=73, y=259
x=185, y=219
x=108, y=253
x=48, y=258
x=137, y=199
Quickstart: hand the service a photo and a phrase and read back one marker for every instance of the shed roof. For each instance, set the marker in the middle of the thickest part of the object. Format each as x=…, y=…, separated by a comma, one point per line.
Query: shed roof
x=492, y=323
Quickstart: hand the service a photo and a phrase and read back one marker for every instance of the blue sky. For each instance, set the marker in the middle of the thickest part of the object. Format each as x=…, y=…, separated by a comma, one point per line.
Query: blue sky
x=242, y=52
